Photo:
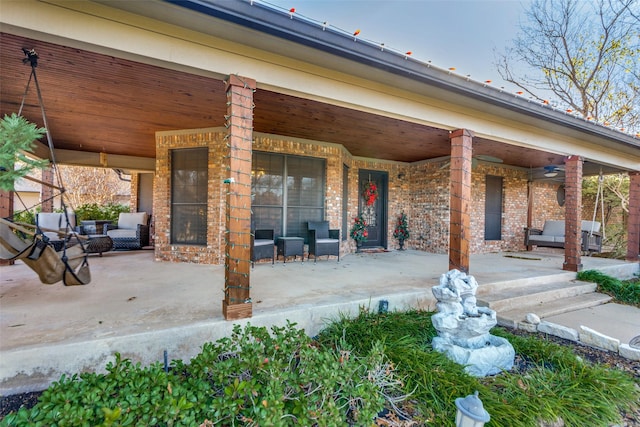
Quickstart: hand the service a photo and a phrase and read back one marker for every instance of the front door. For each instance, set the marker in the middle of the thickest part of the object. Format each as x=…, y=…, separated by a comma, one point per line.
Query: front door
x=374, y=207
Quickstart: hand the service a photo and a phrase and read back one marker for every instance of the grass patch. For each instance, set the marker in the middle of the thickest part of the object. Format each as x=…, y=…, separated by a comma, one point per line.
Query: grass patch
x=556, y=384
x=623, y=291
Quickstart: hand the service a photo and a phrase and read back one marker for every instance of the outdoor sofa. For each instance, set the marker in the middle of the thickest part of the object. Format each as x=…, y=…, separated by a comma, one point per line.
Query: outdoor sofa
x=552, y=235
x=131, y=232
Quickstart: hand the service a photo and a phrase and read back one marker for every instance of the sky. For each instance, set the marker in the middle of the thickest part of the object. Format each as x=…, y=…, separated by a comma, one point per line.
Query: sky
x=450, y=33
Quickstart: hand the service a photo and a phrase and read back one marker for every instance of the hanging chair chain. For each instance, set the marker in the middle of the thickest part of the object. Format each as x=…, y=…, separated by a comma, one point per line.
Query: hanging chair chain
x=31, y=57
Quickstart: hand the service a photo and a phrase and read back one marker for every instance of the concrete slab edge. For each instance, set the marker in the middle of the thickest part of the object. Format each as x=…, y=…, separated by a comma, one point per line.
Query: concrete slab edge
x=586, y=336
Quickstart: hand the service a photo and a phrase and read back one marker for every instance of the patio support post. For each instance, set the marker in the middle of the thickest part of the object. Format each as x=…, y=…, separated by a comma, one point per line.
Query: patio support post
x=460, y=198
x=6, y=211
x=237, y=299
x=46, y=193
x=633, y=225
x=573, y=214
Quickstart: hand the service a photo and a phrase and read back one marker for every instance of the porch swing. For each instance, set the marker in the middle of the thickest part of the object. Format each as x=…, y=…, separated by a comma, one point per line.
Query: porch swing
x=53, y=259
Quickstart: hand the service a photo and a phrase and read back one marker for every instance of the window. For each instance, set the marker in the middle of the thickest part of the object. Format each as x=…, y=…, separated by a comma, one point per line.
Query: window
x=493, y=208
x=286, y=205
x=189, y=178
x=345, y=204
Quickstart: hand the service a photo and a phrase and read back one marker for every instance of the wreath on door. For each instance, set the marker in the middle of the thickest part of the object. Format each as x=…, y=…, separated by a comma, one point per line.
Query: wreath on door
x=370, y=193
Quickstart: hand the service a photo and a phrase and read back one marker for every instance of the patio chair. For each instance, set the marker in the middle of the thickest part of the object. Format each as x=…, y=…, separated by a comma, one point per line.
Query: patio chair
x=54, y=227
x=132, y=231
x=262, y=245
x=322, y=240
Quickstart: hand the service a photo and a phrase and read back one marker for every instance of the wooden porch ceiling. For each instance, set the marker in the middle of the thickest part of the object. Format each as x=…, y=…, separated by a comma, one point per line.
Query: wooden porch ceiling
x=99, y=103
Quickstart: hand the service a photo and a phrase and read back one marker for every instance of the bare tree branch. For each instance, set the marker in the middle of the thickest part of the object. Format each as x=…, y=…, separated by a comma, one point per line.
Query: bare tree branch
x=584, y=53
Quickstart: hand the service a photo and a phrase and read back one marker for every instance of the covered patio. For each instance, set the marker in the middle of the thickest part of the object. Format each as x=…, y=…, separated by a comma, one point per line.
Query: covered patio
x=240, y=78
x=140, y=308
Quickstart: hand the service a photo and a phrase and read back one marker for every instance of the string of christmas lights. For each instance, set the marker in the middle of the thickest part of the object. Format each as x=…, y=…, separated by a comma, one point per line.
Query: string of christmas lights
x=357, y=37
x=238, y=200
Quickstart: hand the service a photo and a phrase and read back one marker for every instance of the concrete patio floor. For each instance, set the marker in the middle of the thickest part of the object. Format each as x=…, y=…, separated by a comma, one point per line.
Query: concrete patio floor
x=140, y=307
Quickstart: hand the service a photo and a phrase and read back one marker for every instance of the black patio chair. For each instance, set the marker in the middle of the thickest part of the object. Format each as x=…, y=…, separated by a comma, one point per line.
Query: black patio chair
x=322, y=240
x=262, y=245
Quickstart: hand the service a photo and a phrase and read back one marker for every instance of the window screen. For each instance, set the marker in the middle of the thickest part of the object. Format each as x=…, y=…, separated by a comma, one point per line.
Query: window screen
x=189, y=178
x=286, y=205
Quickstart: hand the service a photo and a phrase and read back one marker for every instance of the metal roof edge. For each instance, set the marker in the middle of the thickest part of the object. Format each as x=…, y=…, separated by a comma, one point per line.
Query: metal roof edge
x=276, y=23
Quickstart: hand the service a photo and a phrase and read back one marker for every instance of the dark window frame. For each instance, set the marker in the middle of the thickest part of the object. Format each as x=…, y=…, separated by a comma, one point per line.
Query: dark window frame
x=189, y=196
x=273, y=195
x=494, y=207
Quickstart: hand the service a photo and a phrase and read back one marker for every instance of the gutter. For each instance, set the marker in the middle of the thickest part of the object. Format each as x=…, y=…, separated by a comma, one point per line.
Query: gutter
x=267, y=20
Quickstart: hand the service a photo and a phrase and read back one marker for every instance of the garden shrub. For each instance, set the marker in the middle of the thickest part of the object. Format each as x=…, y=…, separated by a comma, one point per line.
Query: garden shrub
x=252, y=378
x=93, y=211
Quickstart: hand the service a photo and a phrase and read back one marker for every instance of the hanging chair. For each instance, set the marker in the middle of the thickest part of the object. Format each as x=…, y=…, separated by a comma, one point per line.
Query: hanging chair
x=67, y=260
x=36, y=251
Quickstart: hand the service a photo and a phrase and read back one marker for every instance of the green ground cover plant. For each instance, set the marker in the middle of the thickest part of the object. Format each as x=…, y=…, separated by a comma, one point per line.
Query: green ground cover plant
x=623, y=291
x=352, y=370
x=252, y=378
x=549, y=382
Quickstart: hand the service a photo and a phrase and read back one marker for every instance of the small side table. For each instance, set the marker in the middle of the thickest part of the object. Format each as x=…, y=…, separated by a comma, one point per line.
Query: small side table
x=290, y=246
x=98, y=243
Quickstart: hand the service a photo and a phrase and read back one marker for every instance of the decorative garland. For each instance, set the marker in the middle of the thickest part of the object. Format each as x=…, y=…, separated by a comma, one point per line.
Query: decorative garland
x=370, y=193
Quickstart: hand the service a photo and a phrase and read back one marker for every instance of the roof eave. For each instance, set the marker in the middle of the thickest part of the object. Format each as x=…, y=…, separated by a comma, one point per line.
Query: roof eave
x=278, y=24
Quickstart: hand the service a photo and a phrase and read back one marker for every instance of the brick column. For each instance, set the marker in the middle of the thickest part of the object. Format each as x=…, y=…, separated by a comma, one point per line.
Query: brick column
x=46, y=192
x=460, y=197
x=237, y=299
x=573, y=214
x=633, y=226
x=6, y=211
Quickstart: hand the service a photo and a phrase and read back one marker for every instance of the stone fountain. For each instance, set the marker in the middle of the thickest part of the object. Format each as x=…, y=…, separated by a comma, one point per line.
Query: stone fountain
x=463, y=328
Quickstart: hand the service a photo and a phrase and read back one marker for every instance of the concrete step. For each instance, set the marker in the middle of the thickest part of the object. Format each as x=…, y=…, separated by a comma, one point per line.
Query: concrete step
x=512, y=317
x=491, y=287
x=514, y=297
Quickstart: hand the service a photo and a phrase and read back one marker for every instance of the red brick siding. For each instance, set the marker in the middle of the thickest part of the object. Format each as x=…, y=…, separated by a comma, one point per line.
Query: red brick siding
x=420, y=189
x=214, y=250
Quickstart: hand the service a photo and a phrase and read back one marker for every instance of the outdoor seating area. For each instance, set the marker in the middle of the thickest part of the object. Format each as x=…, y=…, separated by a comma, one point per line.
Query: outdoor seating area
x=322, y=241
x=131, y=232
x=552, y=235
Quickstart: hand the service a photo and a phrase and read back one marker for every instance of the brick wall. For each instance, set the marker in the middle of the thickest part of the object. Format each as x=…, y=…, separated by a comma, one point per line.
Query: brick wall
x=514, y=208
x=428, y=196
x=419, y=189
x=214, y=250
x=545, y=204
x=135, y=187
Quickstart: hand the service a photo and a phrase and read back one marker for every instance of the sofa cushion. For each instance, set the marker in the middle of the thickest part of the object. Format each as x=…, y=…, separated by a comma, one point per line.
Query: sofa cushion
x=262, y=242
x=130, y=220
x=586, y=226
x=326, y=240
x=543, y=238
x=56, y=220
x=122, y=234
x=553, y=228
x=52, y=221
